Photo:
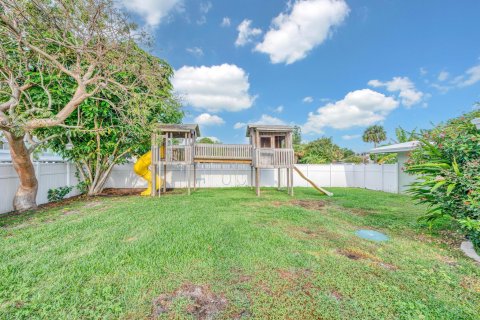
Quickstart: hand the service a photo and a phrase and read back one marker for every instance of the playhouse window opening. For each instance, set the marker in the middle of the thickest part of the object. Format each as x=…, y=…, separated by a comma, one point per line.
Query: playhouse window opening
x=279, y=142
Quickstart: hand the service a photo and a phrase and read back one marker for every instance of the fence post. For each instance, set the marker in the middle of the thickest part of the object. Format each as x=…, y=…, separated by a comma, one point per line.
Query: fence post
x=364, y=176
x=68, y=174
x=383, y=184
x=37, y=171
x=330, y=174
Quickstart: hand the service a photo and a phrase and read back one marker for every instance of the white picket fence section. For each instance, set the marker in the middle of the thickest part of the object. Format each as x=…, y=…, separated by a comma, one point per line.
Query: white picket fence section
x=54, y=175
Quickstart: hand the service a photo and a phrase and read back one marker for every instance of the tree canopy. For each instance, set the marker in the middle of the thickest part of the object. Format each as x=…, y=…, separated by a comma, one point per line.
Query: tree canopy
x=324, y=150
x=208, y=140
x=54, y=56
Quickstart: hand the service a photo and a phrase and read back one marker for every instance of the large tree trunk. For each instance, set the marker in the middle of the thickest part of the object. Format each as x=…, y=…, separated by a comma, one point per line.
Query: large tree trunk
x=25, y=198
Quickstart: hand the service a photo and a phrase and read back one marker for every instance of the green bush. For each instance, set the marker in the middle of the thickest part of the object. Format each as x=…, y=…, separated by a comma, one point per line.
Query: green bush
x=448, y=163
x=58, y=194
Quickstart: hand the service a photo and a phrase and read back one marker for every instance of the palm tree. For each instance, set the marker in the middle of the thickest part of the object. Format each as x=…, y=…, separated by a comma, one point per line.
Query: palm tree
x=375, y=134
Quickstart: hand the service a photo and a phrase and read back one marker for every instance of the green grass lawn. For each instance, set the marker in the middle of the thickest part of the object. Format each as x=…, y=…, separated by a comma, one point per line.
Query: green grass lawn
x=267, y=257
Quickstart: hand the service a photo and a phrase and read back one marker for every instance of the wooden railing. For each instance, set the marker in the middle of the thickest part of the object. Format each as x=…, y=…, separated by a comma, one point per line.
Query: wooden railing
x=223, y=151
x=179, y=154
x=270, y=158
x=262, y=158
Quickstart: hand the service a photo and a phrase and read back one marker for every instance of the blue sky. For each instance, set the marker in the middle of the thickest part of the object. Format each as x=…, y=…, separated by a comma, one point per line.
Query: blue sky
x=332, y=67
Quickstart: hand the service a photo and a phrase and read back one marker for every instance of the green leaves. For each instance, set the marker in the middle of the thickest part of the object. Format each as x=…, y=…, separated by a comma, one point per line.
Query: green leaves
x=448, y=165
x=455, y=167
x=438, y=185
x=450, y=188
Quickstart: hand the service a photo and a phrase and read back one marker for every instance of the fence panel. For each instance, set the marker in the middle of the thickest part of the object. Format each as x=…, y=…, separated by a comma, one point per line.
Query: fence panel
x=49, y=175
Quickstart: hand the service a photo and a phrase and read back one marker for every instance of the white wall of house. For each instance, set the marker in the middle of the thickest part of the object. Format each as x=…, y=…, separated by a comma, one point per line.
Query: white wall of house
x=54, y=175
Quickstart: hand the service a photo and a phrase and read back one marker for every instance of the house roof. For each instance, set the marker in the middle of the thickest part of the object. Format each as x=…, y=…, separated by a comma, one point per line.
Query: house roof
x=265, y=127
x=398, y=147
x=179, y=128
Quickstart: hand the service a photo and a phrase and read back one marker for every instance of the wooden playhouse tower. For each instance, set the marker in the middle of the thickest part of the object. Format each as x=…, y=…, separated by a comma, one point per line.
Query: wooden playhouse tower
x=271, y=146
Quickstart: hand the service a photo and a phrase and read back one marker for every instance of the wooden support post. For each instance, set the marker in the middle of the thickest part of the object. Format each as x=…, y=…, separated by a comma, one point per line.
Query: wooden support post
x=251, y=177
x=188, y=179
x=257, y=181
x=153, y=172
x=164, y=177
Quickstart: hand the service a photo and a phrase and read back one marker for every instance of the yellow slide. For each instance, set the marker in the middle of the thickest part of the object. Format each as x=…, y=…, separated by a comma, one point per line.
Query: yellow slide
x=141, y=169
x=319, y=189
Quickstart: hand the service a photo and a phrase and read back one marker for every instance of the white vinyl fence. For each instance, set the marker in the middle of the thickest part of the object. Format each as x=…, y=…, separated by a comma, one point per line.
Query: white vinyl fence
x=49, y=175
x=54, y=175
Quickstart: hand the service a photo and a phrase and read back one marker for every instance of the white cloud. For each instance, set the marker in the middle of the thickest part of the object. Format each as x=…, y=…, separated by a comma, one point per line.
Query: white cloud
x=207, y=119
x=278, y=109
x=441, y=88
x=423, y=71
x=305, y=25
x=216, y=88
x=152, y=11
x=204, y=9
x=407, y=92
x=226, y=22
x=269, y=120
x=307, y=100
x=358, y=108
x=443, y=75
x=470, y=77
x=196, y=51
x=351, y=136
x=264, y=119
x=239, y=125
x=246, y=34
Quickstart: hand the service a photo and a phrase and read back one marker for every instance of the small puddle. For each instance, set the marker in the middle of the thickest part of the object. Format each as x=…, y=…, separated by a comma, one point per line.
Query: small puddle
x=371, y=235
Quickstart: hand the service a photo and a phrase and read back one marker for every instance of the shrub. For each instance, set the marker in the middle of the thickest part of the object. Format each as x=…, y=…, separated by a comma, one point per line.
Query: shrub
x=448, y=163
x=57, y=194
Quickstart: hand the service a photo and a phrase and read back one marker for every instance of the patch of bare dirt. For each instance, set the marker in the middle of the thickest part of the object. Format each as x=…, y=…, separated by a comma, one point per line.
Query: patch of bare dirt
x=387, y=266
x=359, y=212
x=471, y=283
x=336, y=295
x=204, y=303
x=244, y=314
x=67, y=212
x=115, y=192
x=447, y=260
x=93, y=204
x=305, y=233
x=450, y=238
x=309, y=204
x=292, y=275
x=240, y=276
x=278, y=203
x=356, y=254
